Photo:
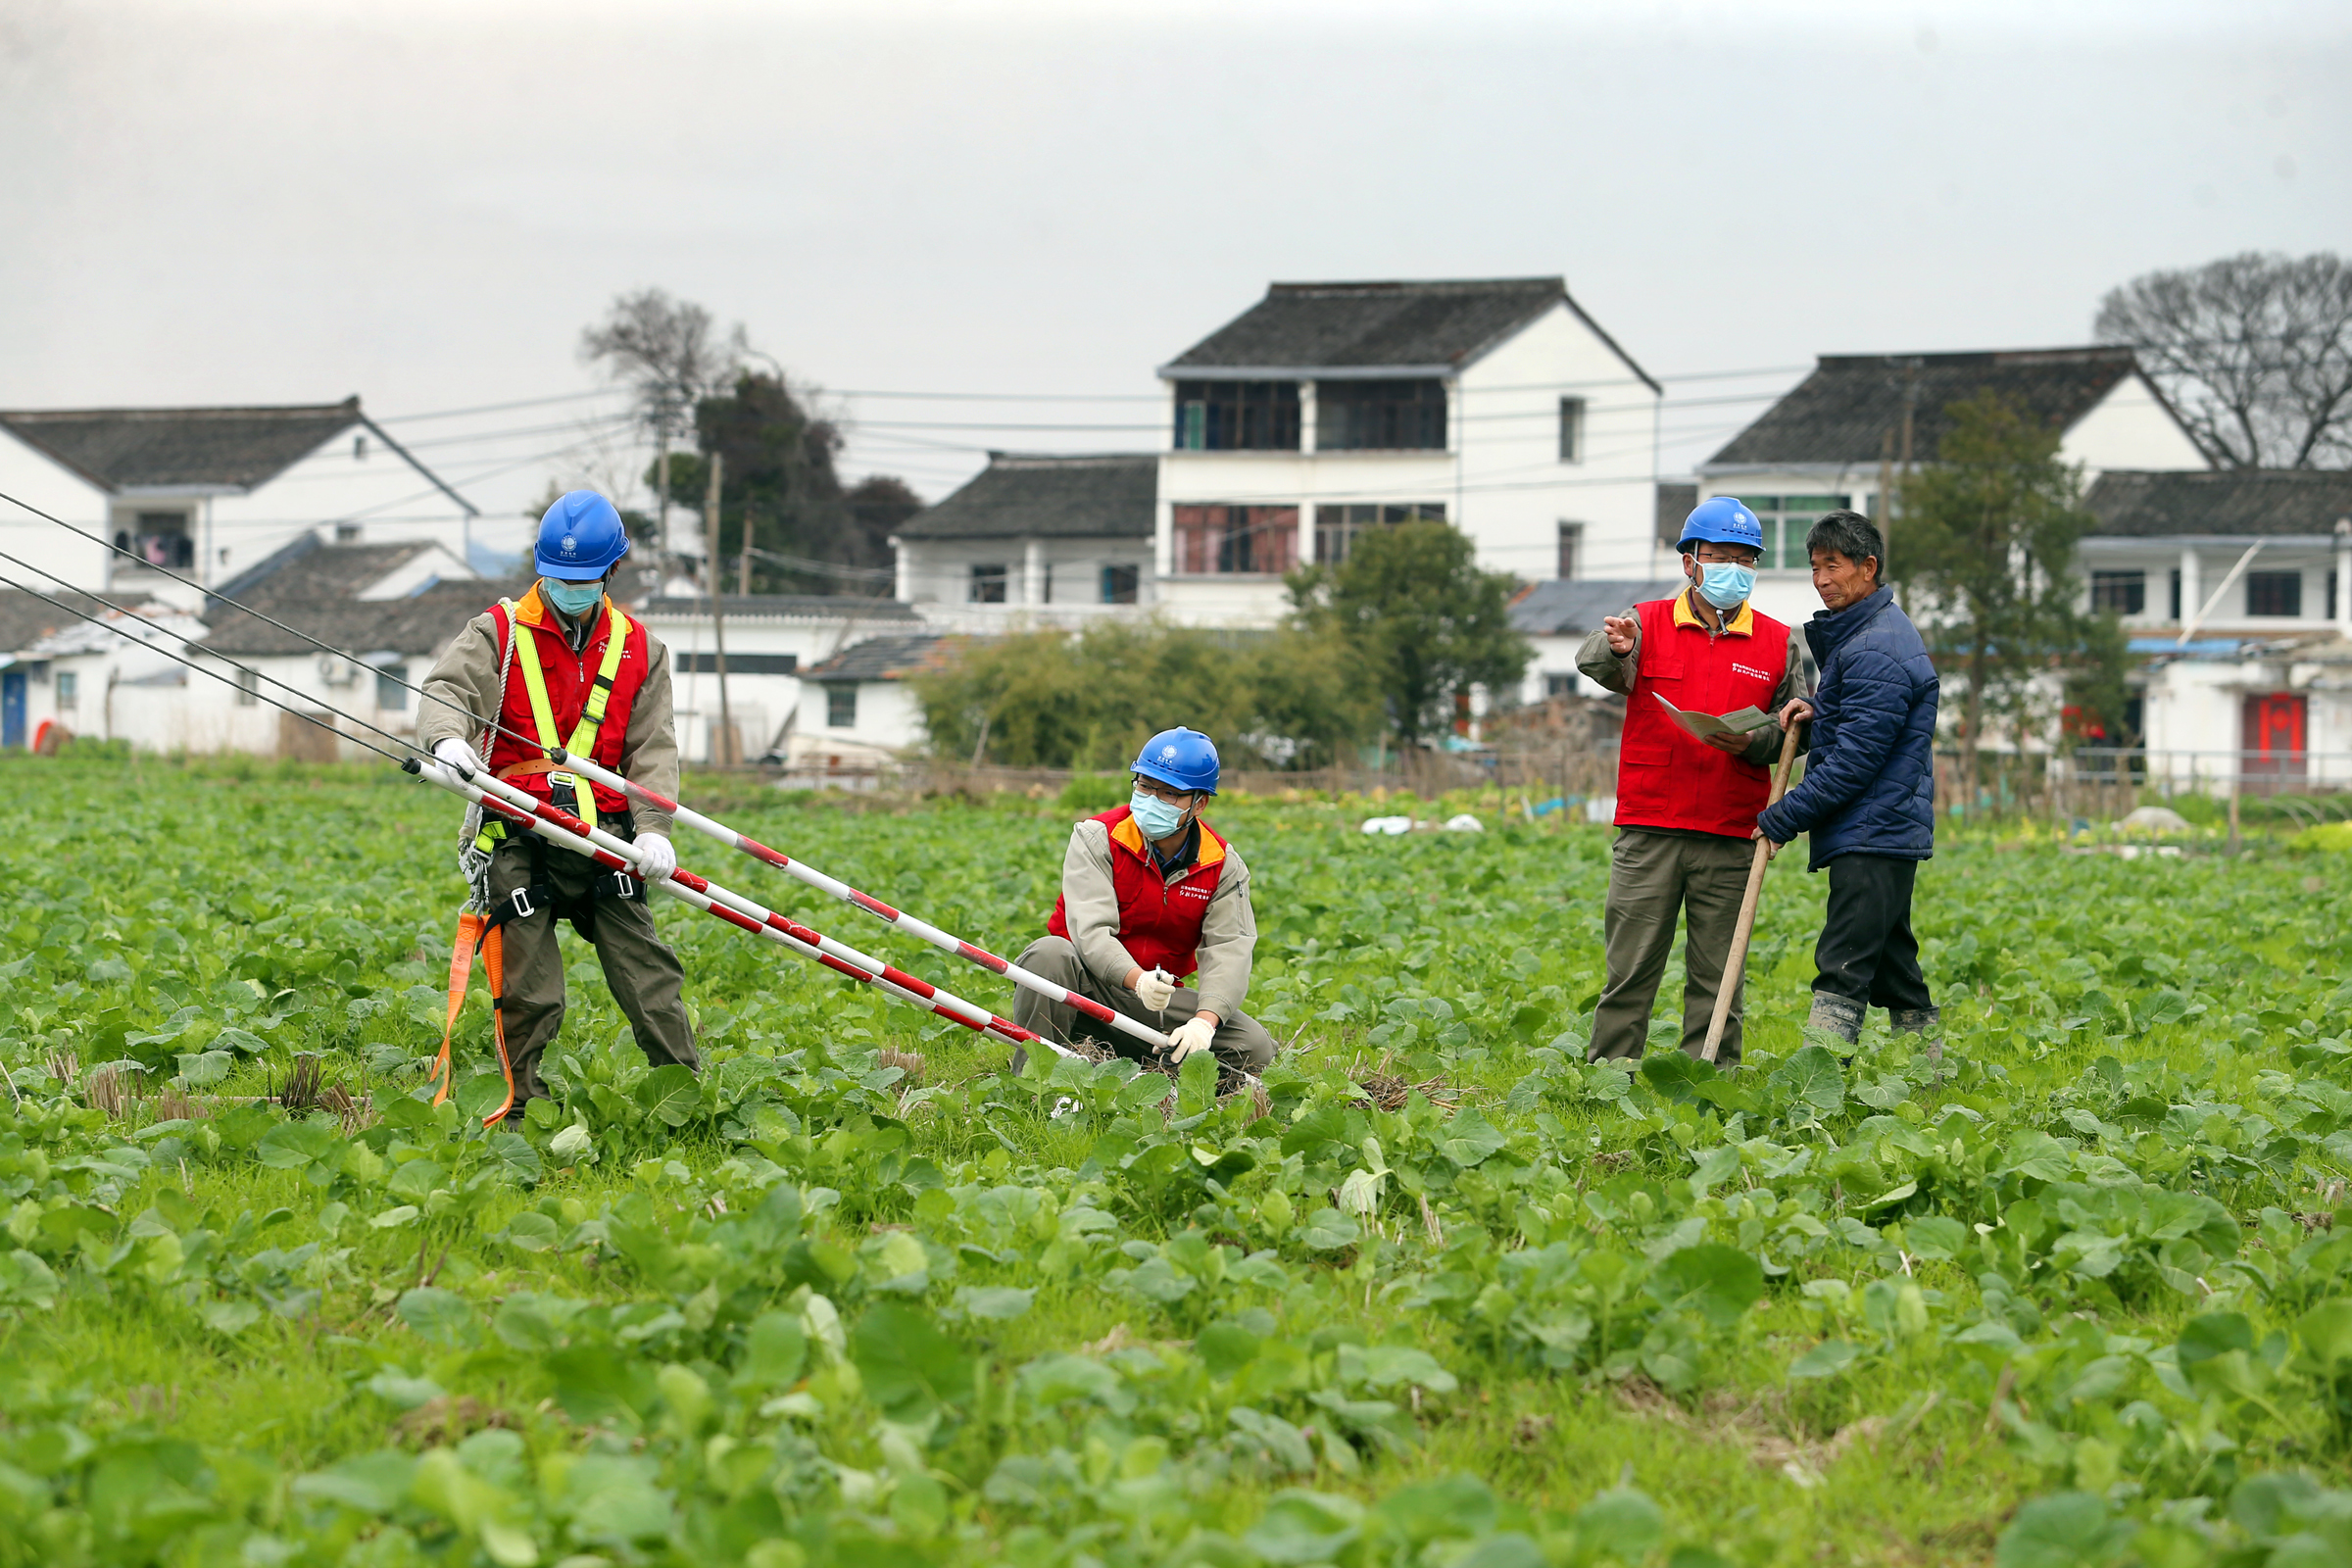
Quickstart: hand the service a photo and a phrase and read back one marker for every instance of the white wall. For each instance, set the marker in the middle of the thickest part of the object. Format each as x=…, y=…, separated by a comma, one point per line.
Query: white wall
x=939, y=571
x=2159, y=558
x=1515, y=492
x=34, y=479
x=2129, y=429
x=383, y=496
x=889, y=718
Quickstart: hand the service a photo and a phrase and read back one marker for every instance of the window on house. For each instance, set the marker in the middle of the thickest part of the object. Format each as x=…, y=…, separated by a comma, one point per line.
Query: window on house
x=1785, y=520
x=1572, y=432
x=249, y=686
x=1228, y=539
x=2123, y=592
x=1122, y=585
x=2330, y=594
x=390, y=694
x=841, y=708
x=1380, y=415
x=2176, y=615
x=1572, y=550
x=1237, y=416
x=1559, y=685
x=160, y=539
x=988, y=585
x=1336, y=527
x=1044, y=584
x=348, y=533
x=2275, y=593
x=68, y=691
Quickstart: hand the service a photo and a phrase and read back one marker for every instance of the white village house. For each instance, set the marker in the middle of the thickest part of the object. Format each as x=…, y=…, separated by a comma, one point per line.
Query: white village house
x=1327, y=409
x=2232, y=585
x=209, y=492
x=1038, y=539
x=1821, y=447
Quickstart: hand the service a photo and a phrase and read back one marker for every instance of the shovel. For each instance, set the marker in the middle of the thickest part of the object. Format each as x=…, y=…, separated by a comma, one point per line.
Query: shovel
x=1734, y=963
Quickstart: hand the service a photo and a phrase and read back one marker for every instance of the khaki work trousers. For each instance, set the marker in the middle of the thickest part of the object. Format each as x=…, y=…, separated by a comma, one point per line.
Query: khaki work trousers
x=1241, y=1040
x=1654, y=877
x=646, y=977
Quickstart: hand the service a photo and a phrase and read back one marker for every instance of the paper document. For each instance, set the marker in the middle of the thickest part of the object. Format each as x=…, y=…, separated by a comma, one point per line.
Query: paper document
x=1741, y=721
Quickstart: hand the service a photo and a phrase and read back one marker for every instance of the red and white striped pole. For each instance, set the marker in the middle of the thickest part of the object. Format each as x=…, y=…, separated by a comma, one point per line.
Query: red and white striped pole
x=946, y=942
x=614, y=854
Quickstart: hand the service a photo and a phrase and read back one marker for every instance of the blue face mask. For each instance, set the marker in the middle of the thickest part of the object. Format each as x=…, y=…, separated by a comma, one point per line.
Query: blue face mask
x=574, y=598
x=1155, y=817
x=1725, y=585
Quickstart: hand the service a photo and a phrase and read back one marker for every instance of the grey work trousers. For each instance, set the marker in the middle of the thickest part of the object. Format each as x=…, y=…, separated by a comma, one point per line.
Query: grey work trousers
x=1654, y=877
x=645, y=976
x=1241, y=1040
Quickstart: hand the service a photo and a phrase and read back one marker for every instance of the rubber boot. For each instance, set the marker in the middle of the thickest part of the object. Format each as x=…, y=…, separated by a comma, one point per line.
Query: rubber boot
x=1923, y=1021
x=1840, y=1015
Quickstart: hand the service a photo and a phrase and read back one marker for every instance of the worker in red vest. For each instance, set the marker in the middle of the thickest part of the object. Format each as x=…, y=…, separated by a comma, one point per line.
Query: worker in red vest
x=565, y=667
x=1686, y=808
x=1150, y=895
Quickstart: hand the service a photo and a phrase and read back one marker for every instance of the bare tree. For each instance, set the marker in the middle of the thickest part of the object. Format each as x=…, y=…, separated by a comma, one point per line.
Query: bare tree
x=672, y=354
x=2254, y=351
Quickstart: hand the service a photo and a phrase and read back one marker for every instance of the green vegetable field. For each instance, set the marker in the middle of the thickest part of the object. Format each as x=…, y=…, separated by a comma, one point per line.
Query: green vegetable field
x=1443, y=1295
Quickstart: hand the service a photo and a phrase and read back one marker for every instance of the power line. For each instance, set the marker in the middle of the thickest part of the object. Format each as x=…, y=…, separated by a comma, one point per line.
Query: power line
x=496, y=408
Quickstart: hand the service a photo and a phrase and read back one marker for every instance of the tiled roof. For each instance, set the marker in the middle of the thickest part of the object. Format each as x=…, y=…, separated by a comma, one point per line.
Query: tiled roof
x=1571, y=607
x=1429, y=326
x=889, y=658
x=2239, y=501
x=1842, y=411
x=1021, y=496
x=416, y=626
x=25, y=618
x=237, y=448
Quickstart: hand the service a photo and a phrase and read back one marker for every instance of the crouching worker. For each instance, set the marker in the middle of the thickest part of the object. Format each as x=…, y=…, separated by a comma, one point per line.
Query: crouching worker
x=1686, y=808
x=1869, y=795
x=1150, y=895
x=564, y=666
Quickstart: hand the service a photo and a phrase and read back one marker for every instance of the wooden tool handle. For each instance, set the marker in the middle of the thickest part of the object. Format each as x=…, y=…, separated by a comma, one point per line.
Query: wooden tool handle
x=1734, y=962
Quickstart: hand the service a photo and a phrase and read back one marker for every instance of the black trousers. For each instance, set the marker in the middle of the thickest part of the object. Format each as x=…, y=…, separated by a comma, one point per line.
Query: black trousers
x=1867, y=950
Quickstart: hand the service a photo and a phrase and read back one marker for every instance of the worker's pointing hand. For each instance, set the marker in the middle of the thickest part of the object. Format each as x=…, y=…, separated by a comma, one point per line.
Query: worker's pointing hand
x=1155, y=987
x=457, y=754
x=657, y=858
x=1620, y=630
x=1191, y=1037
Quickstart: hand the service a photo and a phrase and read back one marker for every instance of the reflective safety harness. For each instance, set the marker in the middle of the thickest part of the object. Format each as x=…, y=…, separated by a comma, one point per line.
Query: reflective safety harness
x=481, y=928
x=592, y=711
x=475, y=928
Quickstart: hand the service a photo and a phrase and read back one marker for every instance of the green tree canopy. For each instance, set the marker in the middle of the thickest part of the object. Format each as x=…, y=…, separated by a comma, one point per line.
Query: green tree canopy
x=1425, y=621
x=1986, y=541
x=1048, y=699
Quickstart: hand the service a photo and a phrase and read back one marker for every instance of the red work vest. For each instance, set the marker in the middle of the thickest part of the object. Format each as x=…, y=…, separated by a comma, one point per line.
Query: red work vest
x=1665, y=776
x=1159, y=920
x=569, y=677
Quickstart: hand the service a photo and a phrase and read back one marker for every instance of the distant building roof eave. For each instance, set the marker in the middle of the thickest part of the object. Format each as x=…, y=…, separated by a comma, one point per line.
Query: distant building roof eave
x=1178, y=371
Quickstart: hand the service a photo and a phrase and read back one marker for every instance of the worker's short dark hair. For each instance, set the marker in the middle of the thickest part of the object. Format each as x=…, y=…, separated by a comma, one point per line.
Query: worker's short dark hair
x=1851, y=535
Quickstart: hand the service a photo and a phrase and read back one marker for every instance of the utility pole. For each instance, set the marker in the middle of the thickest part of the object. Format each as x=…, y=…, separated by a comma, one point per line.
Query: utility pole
x=724, y=751
x=743, y=568
x=662, y=501
x=1910, y=404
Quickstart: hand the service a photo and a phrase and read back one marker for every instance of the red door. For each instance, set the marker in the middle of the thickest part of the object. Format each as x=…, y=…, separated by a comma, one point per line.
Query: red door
x=2273, y=739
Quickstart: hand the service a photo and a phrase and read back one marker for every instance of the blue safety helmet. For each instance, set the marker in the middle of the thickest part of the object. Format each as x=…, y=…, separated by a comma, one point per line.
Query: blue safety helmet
x=1722, y=520
x=579, y=538
x=1180, y=758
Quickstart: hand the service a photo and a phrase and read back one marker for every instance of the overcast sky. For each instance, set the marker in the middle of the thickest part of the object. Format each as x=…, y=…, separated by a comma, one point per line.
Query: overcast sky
x=424, y=203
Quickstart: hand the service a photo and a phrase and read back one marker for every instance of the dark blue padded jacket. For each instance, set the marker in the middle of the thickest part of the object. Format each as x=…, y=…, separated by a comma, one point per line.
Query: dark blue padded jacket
x=1870, y=783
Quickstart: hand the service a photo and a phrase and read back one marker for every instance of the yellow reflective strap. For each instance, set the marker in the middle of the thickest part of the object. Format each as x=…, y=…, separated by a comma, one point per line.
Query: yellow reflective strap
x=592, y=715
x=543, y=713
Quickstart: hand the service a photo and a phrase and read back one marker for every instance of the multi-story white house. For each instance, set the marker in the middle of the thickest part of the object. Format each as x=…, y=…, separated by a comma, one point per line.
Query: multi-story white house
x=2234, y=587
x=1328, y=409
x=209, y=493
x=1037, y=539
x=1823, y=445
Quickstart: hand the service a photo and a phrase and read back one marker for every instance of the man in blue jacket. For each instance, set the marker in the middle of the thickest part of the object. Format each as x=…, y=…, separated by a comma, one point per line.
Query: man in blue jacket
x=1869, y=794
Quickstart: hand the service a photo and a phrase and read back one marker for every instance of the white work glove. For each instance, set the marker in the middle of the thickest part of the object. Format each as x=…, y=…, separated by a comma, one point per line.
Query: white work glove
x=456, y=754
x=1155, y=987
x=656, y=857
x=1191, y=1037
